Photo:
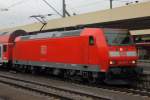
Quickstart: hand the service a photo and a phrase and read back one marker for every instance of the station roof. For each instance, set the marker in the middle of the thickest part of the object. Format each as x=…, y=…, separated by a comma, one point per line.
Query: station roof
x=132, y=17
x=140, y=32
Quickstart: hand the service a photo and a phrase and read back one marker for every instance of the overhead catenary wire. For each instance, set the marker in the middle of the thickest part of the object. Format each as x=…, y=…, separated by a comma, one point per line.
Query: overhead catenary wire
x=70, y=3
x=86, y=4
x=92, y=3
x=17, y=3
x=52, y=7
x=73, y=10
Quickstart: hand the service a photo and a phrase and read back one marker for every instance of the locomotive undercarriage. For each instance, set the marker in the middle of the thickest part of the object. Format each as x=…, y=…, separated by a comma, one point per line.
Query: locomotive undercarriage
x=115, y=75
x=122, y=75
x=74, y=75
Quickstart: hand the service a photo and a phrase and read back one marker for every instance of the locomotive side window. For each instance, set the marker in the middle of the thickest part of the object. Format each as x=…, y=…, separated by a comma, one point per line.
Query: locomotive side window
x=4, y=48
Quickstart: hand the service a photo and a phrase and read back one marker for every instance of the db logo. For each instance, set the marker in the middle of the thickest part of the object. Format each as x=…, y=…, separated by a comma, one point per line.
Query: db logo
x=122, y=53
x=43, y=49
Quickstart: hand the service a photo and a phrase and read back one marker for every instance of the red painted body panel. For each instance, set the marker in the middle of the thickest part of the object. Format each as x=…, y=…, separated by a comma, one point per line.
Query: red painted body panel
x=71, y=50
x=7, y=40
x=4, y=39
x=99, y=52
x=7, y=55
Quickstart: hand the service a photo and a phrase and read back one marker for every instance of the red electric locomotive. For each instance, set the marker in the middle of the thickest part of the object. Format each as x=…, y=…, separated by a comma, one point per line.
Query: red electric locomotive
x=94, y=54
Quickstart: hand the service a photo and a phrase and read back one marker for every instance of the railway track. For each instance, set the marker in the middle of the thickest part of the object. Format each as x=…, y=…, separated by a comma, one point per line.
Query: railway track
x=47, y=90
x=141, y=86
x=132, y=91
x=70, y=94
x=143, y=82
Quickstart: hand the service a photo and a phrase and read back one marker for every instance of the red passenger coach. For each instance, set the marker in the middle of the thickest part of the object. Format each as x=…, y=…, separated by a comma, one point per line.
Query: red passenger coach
x=6, y=45
x=90, y=53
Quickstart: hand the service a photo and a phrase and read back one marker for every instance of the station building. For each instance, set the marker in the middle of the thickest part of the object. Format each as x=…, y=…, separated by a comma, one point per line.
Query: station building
x=142, y=41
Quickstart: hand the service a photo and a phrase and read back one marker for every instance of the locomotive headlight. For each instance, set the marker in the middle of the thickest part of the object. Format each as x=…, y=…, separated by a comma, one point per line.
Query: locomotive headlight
x=121, y=49
x=112, y=62
x=133, y=62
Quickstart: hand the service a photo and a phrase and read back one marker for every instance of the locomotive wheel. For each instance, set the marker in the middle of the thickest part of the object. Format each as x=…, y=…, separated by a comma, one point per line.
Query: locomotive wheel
x=91, y=80
x=66, y=75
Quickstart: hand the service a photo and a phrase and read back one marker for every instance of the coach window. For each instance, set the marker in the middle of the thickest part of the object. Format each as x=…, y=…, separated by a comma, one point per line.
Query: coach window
x=4, y=48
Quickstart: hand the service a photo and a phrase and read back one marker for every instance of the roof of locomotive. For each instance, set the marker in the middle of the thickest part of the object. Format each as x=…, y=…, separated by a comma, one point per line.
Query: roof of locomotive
x=56, y=34
x=51, y=34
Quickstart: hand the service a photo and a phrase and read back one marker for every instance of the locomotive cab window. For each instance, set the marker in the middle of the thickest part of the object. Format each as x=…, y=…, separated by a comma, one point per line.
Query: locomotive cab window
x=4, y=48
x=118, y=38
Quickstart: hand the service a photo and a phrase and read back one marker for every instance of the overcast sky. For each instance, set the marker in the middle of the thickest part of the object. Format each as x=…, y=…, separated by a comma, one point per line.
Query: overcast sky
x=19, y=10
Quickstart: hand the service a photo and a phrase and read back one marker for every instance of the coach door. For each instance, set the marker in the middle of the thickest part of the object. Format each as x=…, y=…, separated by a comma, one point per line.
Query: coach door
x=0, y=52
